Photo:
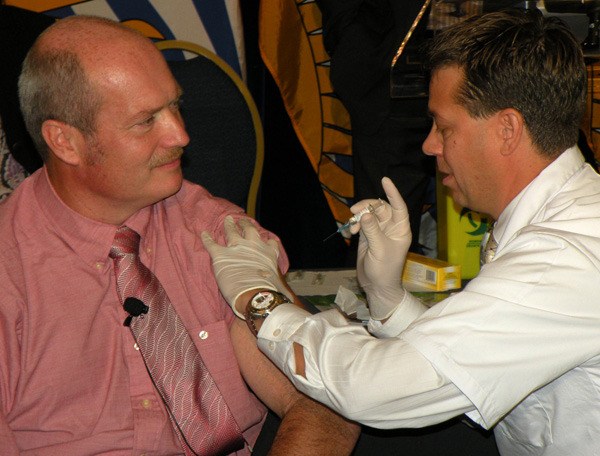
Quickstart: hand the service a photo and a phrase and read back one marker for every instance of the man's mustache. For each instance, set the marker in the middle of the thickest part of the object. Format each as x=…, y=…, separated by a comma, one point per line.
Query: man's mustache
x=170, y=156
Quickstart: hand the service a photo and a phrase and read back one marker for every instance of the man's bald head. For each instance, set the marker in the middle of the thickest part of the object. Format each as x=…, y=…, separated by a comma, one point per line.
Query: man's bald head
x=61, y=71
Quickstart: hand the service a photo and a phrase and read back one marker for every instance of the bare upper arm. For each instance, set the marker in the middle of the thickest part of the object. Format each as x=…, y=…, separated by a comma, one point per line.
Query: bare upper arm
x=262, y=376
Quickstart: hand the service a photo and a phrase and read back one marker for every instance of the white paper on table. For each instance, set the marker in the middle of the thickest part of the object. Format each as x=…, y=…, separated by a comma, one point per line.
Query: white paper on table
x=350, y=304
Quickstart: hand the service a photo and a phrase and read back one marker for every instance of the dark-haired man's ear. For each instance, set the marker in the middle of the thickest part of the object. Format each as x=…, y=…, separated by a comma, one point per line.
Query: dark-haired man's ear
x=511, y=128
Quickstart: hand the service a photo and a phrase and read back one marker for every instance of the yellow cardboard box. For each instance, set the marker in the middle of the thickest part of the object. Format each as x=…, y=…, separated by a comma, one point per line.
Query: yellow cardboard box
x=427, y=274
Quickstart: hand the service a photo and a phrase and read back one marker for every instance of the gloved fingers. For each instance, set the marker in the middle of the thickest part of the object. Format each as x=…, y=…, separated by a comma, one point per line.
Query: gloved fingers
x=382, y=210
x=363, y=247
x=399, y=210
x=232, y=233
x=249, y=231
x=362, y=204
x=372, y=231
x=209, y=243
x=275, y=246
x=383, y=213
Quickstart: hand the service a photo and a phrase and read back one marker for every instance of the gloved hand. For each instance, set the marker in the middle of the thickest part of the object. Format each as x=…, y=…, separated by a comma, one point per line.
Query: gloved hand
x=385, y=238
x=246, y=263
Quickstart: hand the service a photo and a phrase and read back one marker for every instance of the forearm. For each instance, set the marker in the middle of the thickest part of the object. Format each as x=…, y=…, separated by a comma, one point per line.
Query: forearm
x=340, y=360
x=320, y=430
x=306, y=427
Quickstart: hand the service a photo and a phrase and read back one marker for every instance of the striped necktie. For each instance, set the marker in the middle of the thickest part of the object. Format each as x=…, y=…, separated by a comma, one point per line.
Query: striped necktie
x=489, y=246
x=198, y=412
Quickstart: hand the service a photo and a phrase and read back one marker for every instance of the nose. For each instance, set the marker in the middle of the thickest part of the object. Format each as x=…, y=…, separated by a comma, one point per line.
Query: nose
x=176, y=134
x=432, y=145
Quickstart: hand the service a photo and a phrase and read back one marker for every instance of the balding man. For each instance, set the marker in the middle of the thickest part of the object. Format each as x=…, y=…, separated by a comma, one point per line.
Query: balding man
x=114, y=338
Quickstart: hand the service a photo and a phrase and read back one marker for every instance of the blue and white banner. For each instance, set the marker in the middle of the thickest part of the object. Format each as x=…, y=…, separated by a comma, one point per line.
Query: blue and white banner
x=213, y=24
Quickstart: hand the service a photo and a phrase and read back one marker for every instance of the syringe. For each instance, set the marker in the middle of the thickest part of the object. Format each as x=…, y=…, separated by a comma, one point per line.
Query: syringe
x=356, y=218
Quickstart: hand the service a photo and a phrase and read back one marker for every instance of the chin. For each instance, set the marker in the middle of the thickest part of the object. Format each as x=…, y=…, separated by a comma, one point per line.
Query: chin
x=175, y=188
x=166, y=189
x=459, y=199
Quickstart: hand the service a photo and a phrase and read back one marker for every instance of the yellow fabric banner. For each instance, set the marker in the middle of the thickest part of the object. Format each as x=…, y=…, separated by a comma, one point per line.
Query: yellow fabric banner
x=291, y=45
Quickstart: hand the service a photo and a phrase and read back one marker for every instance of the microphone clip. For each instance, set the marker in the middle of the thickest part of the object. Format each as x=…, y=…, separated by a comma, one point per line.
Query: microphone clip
x=134, y=307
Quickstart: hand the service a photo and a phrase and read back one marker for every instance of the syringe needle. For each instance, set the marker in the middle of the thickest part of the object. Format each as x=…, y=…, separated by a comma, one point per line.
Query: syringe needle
x=331, y=235
x=355, y=218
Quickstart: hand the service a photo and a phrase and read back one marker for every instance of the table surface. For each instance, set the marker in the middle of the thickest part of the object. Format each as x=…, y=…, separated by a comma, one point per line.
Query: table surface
x=319, y=287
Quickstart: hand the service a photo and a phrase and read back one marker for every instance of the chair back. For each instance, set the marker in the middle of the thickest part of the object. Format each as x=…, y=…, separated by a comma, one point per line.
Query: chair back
x=226, y=150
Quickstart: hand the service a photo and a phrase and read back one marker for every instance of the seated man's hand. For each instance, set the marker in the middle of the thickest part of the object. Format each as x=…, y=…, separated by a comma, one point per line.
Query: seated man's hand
x=245, y=263
x=385, y=238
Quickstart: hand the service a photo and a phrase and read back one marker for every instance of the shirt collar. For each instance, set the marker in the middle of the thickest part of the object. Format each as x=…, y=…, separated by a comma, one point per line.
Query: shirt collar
x=88, y=238
x=529, y=204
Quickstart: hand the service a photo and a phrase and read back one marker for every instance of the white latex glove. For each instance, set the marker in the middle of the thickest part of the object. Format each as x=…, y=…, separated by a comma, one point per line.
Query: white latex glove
x=245, y=263
x=385, y=238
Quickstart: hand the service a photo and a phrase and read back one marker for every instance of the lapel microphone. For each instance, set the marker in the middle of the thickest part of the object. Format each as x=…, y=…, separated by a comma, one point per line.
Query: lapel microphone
x=134, y=307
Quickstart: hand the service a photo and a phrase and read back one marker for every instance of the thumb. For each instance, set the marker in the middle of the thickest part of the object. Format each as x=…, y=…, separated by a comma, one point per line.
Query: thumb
x=274, y=245
x=209, y=244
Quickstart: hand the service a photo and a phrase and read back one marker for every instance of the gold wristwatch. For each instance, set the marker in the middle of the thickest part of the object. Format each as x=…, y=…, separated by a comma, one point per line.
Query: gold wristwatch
x=261, y=306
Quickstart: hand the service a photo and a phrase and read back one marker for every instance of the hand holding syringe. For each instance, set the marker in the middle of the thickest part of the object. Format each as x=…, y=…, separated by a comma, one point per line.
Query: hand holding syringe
x=356, y=218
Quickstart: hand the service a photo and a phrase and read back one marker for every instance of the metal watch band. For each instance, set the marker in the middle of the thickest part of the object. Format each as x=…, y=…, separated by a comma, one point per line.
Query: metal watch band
x=253, y=313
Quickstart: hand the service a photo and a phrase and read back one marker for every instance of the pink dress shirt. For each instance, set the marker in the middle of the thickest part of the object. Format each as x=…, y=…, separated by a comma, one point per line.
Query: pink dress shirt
x=71, y=379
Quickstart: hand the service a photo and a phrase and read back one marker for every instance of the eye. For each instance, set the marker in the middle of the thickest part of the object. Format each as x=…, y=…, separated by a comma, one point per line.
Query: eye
x=175, y=106
x=147, y=122
x=443, y=131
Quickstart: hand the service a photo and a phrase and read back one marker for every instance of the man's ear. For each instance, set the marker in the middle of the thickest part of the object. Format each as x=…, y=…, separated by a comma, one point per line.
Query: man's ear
x=511, y=128
x=64, y=141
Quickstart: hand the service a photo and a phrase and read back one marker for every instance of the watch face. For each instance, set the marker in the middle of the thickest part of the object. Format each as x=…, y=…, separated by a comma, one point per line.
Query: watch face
x=263, y=300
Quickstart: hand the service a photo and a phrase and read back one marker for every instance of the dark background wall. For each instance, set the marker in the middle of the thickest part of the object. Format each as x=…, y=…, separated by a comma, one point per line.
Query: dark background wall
x=291, y=202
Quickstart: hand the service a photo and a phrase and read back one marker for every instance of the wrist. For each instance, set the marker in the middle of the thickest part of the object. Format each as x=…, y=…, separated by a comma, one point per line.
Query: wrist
x=384, y=301
x=260, y=306
x=243, y=299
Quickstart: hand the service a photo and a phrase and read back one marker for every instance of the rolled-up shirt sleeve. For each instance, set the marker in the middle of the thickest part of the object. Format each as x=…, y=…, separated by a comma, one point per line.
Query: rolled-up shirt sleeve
x=383, y=383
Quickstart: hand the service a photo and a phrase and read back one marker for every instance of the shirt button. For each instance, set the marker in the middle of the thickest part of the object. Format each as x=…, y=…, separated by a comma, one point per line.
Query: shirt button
x=203, y=335
x=136, y=346
x=271, y=346
x=148, y=250
x=146, y=403
x=277, y=332
x=99, y=265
